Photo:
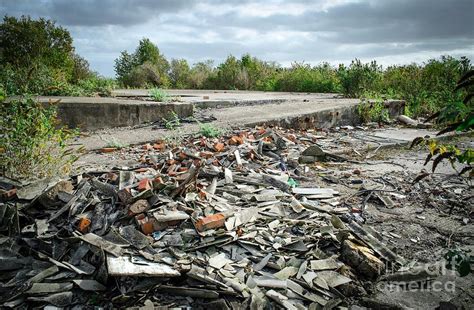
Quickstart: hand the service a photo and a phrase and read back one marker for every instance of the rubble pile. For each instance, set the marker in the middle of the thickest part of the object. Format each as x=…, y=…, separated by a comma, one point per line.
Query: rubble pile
x=222, y=223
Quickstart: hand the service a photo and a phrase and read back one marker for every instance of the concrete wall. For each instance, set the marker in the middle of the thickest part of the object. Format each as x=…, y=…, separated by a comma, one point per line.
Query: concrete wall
x=98, y=113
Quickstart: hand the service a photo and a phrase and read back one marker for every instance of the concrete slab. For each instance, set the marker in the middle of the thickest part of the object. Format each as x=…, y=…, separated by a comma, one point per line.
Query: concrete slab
x=199, y=94
x=91, y=113
x=318, y=113
x=131, y=108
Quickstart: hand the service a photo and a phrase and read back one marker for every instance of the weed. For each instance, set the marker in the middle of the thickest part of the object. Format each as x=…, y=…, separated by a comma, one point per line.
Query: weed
x=159, y=95
x=372, y=111
x=173, y=139
x=114, y=143
x=31, y=144
x=209, y=131
x=172, y=122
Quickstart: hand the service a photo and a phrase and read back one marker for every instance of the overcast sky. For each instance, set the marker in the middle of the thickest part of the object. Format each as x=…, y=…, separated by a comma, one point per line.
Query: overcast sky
x=389, y=31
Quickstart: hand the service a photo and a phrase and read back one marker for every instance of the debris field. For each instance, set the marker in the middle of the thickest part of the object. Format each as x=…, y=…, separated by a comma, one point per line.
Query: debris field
x=235, y=222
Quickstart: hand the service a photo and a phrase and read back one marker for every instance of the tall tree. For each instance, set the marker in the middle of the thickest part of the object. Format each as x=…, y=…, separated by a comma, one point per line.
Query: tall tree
x=25, y=43
x=146, y=61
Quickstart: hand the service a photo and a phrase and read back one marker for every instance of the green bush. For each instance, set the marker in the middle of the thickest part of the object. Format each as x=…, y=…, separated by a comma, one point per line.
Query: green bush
x=304, y=78
x=31, y=144
x=359, y=77
x=372, y=109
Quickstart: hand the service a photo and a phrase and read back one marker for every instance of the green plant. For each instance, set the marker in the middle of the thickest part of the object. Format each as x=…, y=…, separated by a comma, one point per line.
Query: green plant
x=159, y=95
x=372, y=110
x=209, y=131
x=31, y=143
x=146, y=66
x=115, y=143
x=458, y=117
x=179, y=73
x=172, y=122
x=30, y=47
x=359, y=77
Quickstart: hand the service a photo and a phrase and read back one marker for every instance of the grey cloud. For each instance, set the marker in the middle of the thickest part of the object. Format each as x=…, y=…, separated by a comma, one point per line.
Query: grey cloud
x=364, y=29
x=376, y=21
x=95, y=12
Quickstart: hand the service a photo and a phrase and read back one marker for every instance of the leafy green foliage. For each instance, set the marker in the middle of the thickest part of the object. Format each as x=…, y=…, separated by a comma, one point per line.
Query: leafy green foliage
x=372, y=110
x=37, y=57
x=172, y=122
x=179, y=73
x=359, y=77
x=114, y=143
x=202, y=75
x=81, y=70
x=209, y=131
x=159, y=95
x=26, y=43
x=458, y=117
x=304, y=78
x=145, y=67
x=31, y=144
x=33, y=53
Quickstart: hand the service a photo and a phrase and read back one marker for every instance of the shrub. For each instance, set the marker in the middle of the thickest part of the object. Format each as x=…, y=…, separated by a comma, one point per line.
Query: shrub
x=372, y=110
x=25, y=43
x=31, y=144
x=359, y=77
x=302, y=77
x=144, y=76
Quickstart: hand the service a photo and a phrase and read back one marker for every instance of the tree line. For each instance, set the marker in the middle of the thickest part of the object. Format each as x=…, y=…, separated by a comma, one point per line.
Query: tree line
x=38, y=57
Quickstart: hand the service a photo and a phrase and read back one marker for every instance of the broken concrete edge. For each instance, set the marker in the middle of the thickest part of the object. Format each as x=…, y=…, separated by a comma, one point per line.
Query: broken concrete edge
x=327, y=118
x=140, y=92
x=330, y=117
x=87, y=113
x=219, y=104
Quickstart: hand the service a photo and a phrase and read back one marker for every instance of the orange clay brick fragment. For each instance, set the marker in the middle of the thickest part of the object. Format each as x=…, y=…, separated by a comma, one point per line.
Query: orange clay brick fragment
x=206, y=154
x=83, y=225
x=158, y=180
x=210, y=222
x=144, y=185
x=219, y=147
x=236, y=140
x=108, y=149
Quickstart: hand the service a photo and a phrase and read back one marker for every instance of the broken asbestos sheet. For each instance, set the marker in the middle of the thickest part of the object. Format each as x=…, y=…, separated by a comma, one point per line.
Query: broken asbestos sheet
x=123, y=266
x=222, y=223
